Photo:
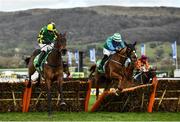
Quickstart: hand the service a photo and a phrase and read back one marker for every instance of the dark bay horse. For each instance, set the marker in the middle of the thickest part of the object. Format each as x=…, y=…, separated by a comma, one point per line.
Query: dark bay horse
x=115, y=71
x=144, y=77
x=52, y=69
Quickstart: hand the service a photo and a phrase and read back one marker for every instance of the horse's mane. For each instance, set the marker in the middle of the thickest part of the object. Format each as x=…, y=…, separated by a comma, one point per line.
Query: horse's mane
x=122, y=50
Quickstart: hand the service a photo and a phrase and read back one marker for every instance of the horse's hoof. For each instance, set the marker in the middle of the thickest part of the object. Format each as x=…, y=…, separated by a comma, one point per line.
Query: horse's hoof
x=116, y=93
x=62, y=104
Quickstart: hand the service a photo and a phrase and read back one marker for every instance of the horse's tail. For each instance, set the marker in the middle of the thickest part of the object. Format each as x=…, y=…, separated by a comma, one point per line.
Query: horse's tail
x=35, y=53
x=92, y=70
x=27, y=59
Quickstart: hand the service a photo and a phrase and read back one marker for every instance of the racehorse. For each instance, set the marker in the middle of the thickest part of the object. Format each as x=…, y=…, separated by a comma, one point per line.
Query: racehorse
x=144, y=77
x=52, y=69
x=115, y=69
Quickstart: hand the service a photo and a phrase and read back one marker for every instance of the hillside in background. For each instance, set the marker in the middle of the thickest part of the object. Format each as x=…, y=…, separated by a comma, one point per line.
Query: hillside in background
x=87, y=26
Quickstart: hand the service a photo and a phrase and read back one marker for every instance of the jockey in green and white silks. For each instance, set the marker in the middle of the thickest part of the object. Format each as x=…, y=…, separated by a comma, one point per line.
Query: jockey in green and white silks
x=112, y=44
x=46, y=37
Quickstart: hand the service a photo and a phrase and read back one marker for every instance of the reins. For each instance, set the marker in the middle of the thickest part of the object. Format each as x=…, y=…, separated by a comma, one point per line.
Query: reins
x=55, y=64
x=120, y=56
x=58, y=49
x=123, y=56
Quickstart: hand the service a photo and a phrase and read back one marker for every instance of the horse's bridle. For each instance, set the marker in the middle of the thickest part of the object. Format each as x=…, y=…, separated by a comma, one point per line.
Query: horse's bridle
x=126, y=57
x=60, y=47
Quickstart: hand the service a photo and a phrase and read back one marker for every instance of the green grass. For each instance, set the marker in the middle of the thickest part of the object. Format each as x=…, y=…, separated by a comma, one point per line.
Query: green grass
x=88, y=116
x=96, y=116
x=91, y=101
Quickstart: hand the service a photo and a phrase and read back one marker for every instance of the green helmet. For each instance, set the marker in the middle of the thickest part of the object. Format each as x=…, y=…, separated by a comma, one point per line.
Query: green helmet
x=117, y=37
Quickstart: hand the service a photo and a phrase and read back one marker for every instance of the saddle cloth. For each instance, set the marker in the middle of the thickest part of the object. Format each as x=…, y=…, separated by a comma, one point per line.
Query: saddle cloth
x=40, y=68
x=103, y=67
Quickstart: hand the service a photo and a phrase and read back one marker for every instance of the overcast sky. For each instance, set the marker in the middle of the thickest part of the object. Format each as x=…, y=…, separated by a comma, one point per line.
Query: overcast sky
x=15, y=5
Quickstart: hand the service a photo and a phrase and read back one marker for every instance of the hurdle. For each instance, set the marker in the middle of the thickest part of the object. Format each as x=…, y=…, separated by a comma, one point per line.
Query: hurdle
x=15, y=97
x=127, y=94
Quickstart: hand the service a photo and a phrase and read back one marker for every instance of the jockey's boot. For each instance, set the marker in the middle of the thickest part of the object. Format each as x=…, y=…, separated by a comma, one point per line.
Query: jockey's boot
x=100, y=68
x=41, y=56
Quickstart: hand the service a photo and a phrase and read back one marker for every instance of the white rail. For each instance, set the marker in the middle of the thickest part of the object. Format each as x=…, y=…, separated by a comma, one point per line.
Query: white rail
x=168, y=78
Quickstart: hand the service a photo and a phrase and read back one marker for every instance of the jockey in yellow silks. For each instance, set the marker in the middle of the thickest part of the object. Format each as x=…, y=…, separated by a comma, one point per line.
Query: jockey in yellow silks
x=46, y=37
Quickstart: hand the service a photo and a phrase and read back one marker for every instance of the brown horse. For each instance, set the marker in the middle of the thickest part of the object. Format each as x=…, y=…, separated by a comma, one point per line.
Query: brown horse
x=115, y=71
x=52, y=69
x=144, y=77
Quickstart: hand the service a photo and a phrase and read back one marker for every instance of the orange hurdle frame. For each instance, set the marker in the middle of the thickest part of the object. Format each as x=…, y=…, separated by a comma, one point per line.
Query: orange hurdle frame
x=26, y=98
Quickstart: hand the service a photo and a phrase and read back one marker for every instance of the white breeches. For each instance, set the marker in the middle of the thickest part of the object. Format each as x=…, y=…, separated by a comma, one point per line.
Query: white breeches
x=46, y=47
x=108, y=52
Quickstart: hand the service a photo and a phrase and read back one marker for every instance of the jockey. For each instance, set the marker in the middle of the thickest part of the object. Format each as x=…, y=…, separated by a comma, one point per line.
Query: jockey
x=46, y=37
x=142, y=64
x=112, y=44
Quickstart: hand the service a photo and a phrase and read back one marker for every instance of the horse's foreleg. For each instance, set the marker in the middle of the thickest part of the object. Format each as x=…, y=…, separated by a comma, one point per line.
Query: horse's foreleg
x=120, y=80
x=109, y=84
x=60, y=89
x=96, y=81
x=49, y=96
x=38, y=80
x=120, y=84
